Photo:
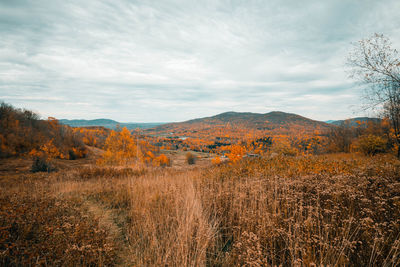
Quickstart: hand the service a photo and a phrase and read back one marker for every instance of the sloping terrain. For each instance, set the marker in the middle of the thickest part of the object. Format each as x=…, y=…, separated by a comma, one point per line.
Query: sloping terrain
x=272, y=123
x=107, y=123
x=354, y=121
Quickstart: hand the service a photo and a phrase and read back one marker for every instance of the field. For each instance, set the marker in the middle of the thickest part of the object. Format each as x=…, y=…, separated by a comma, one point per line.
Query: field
x=337, y=209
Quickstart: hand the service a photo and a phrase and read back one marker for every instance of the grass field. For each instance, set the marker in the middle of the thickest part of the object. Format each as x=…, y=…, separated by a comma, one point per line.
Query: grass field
x=334, y=210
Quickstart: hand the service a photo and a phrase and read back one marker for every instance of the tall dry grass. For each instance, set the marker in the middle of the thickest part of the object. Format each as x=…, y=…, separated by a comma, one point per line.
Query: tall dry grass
x=290, y=211
x=169, y=224
x=282, y=211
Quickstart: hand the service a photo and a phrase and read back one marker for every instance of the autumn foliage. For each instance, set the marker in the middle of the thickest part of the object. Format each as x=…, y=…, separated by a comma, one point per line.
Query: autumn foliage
x=236, y=152
x=23, y=133
x=120, y=148
x=123, y=148
x=371, y=144
x=261, y=199
x=217, y=160
x=92, y=136
x=366, y=137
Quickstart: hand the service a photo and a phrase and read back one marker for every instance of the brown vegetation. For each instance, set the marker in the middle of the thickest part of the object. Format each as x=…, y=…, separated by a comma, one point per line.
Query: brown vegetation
x=190, y=158
x=258, y=201
x=322, y=210
x=23, y=133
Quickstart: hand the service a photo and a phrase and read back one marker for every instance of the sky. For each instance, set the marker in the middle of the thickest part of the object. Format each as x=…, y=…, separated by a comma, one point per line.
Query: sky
x=165, y=61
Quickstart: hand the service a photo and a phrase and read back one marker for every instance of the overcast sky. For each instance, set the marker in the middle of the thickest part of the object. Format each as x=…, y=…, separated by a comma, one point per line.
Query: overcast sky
x=161, y=61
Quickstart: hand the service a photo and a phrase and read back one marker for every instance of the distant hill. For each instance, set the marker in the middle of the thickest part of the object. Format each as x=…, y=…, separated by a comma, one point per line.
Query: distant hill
x=254, y=120
x=276, y=121
x=353, y=121
x=107, y=123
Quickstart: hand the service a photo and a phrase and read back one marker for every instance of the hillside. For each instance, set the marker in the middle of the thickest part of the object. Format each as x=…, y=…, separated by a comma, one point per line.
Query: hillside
x=276, y=122
x=22, y=132
x=353, y=121
x=107, y=123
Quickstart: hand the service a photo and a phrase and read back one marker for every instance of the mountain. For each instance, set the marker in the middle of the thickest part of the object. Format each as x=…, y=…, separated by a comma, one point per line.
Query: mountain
x=107, y=123
x=255, y=120
x=353, y=121
x=275, y=122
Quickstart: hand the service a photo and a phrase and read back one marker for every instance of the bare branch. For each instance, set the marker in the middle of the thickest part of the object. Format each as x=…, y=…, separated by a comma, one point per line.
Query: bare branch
x=376, y=64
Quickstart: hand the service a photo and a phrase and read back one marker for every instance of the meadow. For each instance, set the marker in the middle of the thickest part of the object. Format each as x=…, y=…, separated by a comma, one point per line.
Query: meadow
x=199, y=133
x=306, y=210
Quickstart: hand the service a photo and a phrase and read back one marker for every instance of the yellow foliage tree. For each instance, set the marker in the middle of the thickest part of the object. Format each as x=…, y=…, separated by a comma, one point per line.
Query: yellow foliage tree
x=162, y=161
x=236, y=153
x=51, y=151
x=283, y=146
x=216, y=160
x=120, y=148
x=370, y=144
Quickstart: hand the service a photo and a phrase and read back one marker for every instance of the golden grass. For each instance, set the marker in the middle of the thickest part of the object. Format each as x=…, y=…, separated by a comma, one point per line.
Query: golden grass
x=317, y=210
x=37, y=228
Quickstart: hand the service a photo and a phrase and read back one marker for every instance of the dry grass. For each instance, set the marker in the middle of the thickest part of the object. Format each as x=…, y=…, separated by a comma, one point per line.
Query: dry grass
x=305, y=211
x=317, y=210
x=37, y=228
x=169, y=225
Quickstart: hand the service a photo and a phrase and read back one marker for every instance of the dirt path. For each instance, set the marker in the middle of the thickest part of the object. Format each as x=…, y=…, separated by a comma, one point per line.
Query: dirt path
x=109, y=220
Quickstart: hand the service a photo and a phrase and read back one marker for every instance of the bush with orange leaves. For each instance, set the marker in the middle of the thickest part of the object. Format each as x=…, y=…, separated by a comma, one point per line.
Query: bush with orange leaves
x=217, y=160
x=92, y=136
x=162, y=161
x=236, y=153
x=370, y=144
x=283, y=146
x=49, y=150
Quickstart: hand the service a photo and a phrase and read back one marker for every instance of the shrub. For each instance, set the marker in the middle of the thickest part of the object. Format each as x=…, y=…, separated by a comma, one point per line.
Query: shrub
x=190, y=158
x=217, y=160
x=163, y=161
x=236, y=153
x=283, y=147
x=41, y=164
x=71, y=155
x=371, y=144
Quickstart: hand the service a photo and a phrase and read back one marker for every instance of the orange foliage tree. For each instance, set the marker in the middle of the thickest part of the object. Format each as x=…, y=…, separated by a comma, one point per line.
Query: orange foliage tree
x=217, y=160
x=120, y=148
x=236, y=152
x=123, y=148
x=93, y=136
x=162, y=161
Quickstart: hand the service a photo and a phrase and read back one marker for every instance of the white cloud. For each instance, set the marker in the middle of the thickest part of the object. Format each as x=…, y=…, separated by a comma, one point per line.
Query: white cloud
x=176, y=60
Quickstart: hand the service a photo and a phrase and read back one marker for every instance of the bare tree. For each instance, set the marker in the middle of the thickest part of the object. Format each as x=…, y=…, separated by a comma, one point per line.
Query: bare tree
x=375, y=63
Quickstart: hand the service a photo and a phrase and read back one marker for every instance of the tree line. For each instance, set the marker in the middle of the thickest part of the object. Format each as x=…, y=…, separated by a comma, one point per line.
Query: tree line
x=22, y=132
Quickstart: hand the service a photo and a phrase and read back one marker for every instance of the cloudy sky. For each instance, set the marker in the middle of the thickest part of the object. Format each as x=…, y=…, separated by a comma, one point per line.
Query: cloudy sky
x=157, y=61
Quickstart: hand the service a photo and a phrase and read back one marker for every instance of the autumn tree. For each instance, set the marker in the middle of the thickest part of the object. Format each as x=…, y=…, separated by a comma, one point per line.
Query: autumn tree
x=124, y=148
x=376, y=64
x=371, y=144
x=340, y=137
x=236, y=153
x=120, y=148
